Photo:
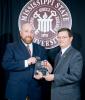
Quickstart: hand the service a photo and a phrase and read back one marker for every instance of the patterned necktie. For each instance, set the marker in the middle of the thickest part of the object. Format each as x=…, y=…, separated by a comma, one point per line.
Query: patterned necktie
x=28, y=48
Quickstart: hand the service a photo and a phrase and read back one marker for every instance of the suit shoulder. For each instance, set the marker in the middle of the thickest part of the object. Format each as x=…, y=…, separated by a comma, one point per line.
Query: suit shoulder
x=13, y=44
x=76, y=52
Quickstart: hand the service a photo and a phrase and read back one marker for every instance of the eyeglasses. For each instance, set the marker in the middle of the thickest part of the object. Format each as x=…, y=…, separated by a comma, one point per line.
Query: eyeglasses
x=62, y=37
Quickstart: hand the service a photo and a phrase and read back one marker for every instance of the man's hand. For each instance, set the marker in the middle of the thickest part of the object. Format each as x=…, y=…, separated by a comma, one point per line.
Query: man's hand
x=47, y=65
x=38, y=75
x=31, y=60
x=49, y=77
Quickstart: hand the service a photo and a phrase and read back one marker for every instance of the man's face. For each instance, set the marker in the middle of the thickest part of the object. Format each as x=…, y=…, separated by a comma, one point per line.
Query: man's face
x=63, y=39
x=26, y=33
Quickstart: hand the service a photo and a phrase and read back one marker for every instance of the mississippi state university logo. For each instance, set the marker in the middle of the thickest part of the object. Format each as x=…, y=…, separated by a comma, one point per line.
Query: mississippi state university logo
x=46, y=16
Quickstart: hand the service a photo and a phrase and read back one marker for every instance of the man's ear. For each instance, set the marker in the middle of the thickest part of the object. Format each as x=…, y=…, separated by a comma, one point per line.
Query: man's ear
x=20, y=32
x=72, y=38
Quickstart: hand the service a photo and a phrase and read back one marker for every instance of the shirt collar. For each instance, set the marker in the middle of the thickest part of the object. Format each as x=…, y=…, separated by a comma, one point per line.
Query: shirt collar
x=30, y=45
x=64, y=49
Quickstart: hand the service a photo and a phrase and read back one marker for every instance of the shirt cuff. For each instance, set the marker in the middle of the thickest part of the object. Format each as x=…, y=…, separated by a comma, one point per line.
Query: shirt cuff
x=26, y=63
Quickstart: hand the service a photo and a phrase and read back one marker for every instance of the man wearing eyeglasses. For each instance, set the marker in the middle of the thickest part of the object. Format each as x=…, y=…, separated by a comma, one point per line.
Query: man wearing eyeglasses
x=67, y=70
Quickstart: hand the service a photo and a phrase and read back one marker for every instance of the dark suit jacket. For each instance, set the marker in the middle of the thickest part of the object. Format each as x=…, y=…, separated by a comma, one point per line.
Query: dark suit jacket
x=13, y=61
x=67, y=75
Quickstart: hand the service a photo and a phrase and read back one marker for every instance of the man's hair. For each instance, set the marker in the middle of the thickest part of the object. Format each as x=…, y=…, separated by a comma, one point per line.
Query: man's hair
x=67, y=30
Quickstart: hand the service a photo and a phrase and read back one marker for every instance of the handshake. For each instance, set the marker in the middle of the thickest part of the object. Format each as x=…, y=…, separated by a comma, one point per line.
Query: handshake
x=42, y=68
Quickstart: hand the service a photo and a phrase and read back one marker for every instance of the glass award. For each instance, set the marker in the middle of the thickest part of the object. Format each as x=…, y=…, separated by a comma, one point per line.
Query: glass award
x=40, y=67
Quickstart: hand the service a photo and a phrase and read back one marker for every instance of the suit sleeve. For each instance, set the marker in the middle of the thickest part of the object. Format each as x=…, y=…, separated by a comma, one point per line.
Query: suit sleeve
x=9, y=62
x=73, y=74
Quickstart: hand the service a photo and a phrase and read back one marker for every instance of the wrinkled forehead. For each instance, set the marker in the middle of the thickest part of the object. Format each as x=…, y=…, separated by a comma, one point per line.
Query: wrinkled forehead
x=27, y=25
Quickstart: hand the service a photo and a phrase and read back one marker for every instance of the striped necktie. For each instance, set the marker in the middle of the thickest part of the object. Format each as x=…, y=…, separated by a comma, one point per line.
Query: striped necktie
x=28, y=48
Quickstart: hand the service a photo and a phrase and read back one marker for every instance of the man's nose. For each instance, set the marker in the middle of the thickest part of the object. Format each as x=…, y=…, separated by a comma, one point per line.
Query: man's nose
x=28, y=34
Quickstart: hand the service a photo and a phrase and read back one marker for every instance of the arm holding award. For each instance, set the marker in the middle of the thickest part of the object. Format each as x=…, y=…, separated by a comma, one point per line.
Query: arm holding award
x=42, y=68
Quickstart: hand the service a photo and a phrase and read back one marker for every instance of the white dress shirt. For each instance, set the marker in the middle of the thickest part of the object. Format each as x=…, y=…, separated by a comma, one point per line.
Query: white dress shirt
x=64, y=49
x=31, y=49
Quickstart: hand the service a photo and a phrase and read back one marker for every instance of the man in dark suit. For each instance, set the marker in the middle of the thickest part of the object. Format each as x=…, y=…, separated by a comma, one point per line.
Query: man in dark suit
x=67, y=70
x=20, y=63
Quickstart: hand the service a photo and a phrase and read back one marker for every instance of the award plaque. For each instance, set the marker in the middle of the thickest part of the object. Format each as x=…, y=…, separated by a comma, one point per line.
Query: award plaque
x=40, y=67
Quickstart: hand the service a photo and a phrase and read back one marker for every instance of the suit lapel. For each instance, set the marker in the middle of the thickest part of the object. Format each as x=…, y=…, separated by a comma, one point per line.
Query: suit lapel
x=63, y=59
x=57, y=58
x=24, y=49
x=34, y=50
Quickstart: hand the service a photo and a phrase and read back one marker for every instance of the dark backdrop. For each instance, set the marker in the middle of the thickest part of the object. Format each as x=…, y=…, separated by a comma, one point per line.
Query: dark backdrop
x=9, y=13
